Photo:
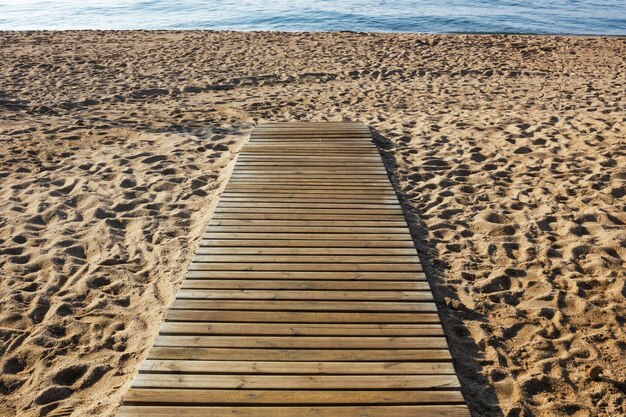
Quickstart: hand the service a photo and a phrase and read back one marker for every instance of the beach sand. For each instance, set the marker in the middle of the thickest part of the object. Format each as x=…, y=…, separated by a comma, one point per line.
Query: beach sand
x=508, y=153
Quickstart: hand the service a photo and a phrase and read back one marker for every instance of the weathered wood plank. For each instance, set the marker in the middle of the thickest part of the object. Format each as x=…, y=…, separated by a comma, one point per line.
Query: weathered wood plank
x=296, y=250
x=293, y=217
x=312, y=210
x=313, y=201
x=282, y=305
x=296, y=381
x=316, y=275
x=215, y=229
x=293, y=329
x=260, y=316
x=319, y=266
x=302, y=259
x=307, y=235
x=297, y=355
x=307, y=295
x=284, y=284
x=217, y=397
x=320, y=368
x=291, y=411
x=303, y=342
x=289, y=250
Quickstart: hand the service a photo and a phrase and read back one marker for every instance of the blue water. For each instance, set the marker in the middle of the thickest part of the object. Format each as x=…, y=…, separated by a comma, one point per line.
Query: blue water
x=606, y=17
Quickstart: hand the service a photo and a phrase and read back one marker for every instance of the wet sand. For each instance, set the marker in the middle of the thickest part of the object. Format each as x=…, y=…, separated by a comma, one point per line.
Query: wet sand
x=508, y=154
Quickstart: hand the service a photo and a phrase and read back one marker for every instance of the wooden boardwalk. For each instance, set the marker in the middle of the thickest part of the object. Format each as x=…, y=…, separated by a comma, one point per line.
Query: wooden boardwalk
x=306, y=297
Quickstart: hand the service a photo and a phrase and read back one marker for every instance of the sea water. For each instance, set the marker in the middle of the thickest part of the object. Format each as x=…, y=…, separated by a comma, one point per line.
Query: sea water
x=600, y=17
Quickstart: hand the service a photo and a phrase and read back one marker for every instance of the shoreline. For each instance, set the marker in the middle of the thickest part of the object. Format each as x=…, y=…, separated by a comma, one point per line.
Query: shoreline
x=286, y=32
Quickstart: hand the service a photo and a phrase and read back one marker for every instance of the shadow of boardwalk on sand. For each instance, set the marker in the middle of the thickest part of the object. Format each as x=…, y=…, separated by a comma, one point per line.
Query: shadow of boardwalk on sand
x=466, y=354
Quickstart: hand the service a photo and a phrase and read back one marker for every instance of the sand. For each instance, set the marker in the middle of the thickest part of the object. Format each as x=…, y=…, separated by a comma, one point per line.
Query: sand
x=508, y=154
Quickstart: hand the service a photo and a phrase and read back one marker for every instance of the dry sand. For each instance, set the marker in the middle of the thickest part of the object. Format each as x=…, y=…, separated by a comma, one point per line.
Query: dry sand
x=508, y=152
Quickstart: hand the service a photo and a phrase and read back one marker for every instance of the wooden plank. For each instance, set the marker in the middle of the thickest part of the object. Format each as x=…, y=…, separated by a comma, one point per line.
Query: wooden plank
x=270, y=201
x=289, y=216
x=309, y=275
x=370, y=189
x=309, y=177
x=347, y=146
x=310, y=295
x=312, y=210
x=311, y=132
x=244, y=284
x=296, y=381
x=298, y=355
x=313, y=368
x=320, y=266
x=307, y=223
x=306, y=139
x=321, y=128
x=319, y=151
x=310, y=181
x=216, y=397
x=294, y=329
x=309, y=163
x=291, y=411
x=305, y=159
x=290, y=250
x=374, y=157
x=267, y=196
x=302, y=190
x=313, y=201
x=343, y=145
x=319, y=165
x=379, y=179
x=326, y=137
x=259, y=316
x=330, y=138
x=277, y=149
x=302, y=198
x=306, y=189
x=392, y=233
x=336, y=186
x=303, y=342
x=307, y=235
x=301, y=259
x=283, y=305
x=313, y=192
x=307, y=152
x=292, y=140
x=311, y=171
x=311, y=137
x=322, y=137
